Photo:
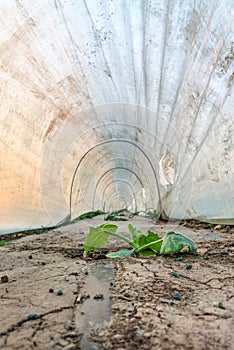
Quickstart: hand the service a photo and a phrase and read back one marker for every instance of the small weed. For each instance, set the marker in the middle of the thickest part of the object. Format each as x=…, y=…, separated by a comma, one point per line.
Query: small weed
x=153, y=214
x=117, y=215
x=88, y=215
x=3, y=243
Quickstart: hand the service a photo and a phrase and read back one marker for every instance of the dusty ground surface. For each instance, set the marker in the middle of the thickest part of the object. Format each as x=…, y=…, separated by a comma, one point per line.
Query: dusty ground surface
x=139, y=293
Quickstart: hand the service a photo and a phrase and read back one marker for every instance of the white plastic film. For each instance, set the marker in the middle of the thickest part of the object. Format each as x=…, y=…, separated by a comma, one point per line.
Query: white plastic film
x=111, y=104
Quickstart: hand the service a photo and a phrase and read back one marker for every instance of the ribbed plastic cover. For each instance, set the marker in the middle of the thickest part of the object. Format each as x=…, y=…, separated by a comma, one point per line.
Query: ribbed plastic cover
x=115, y=104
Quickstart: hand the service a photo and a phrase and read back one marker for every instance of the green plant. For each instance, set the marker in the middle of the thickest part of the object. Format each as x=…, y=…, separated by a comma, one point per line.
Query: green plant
x=148, y=244
x=3, y=243
x=87, y=215
x=153, y=214
x=117, y=215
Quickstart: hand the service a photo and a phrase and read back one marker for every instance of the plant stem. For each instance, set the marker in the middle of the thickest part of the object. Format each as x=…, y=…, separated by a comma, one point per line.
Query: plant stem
x=121, y=237
x=147, y=245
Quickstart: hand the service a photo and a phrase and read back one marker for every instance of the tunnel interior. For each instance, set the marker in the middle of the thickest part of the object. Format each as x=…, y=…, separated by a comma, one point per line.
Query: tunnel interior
x=106, y=104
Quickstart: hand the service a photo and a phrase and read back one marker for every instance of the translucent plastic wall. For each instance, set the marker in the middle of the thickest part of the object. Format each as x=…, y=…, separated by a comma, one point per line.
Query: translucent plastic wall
x=116, y=104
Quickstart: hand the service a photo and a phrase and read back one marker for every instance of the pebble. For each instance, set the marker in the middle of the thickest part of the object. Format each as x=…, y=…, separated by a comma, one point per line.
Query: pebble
x=118, y=336
x=51, y=290
x=188, y=267
x=206, y=257
x=177, y=297
x=147, y=334
x=73, y=274
x=59, y=292
x=179, y=259
x=63, y=342
x=32, y=317
x=4, y=279
x=98, y=296
x=218, y=304
x=175, y=274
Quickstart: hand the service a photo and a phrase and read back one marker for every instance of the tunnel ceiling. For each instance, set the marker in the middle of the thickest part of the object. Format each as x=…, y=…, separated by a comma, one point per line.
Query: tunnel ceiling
x=116, y=103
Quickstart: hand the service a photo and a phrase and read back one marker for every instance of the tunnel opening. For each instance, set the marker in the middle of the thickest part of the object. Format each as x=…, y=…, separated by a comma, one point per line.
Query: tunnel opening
x=154, y=186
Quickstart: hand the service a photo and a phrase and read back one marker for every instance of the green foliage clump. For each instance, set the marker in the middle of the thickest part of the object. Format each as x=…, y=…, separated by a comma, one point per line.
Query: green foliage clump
x=148, y=244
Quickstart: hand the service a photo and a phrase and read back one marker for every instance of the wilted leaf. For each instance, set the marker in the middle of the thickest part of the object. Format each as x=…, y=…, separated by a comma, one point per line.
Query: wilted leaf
x=97, y=237
x=120, y=253
x=173, y=242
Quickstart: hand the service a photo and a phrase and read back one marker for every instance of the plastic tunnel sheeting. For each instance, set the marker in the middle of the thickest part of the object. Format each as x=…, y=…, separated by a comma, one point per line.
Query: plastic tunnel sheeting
x=116, y=104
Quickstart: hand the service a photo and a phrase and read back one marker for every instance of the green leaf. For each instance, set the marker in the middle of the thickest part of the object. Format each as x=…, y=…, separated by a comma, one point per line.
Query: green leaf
x=97, y=237
x=148, y=253
x=153, y=214
x=112, y=217
x=148, y=238
x=173, y=242
x=120, y=253
x=90, y=214
x=135, y=233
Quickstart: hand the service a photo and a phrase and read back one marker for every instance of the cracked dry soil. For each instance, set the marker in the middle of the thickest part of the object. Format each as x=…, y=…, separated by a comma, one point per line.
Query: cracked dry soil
x=146, y=315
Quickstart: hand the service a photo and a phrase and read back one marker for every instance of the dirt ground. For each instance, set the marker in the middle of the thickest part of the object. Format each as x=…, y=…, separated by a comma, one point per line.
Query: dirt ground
x=136, y=307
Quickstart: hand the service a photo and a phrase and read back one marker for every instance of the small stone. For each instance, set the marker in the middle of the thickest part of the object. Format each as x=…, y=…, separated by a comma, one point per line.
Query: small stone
x=98, y=296
x=188, y=267
x=59, y=292
x=30, y=256
x=118, y=336
x=63, y=342
x=86, y=273
x=51, y=290
x=218, y=304
x=32, y=317
x=179, y=258
x=175, y=274
x=4, y=279
x=73, y=274
x=177, y=297
x=147, y=334
x=206, y=257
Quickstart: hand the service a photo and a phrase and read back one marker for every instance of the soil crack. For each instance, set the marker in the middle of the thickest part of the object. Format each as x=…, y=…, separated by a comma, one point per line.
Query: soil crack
x=17, y=325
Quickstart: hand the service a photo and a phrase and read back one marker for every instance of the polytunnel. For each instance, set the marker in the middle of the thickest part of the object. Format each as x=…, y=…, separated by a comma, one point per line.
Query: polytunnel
x=116, y=104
